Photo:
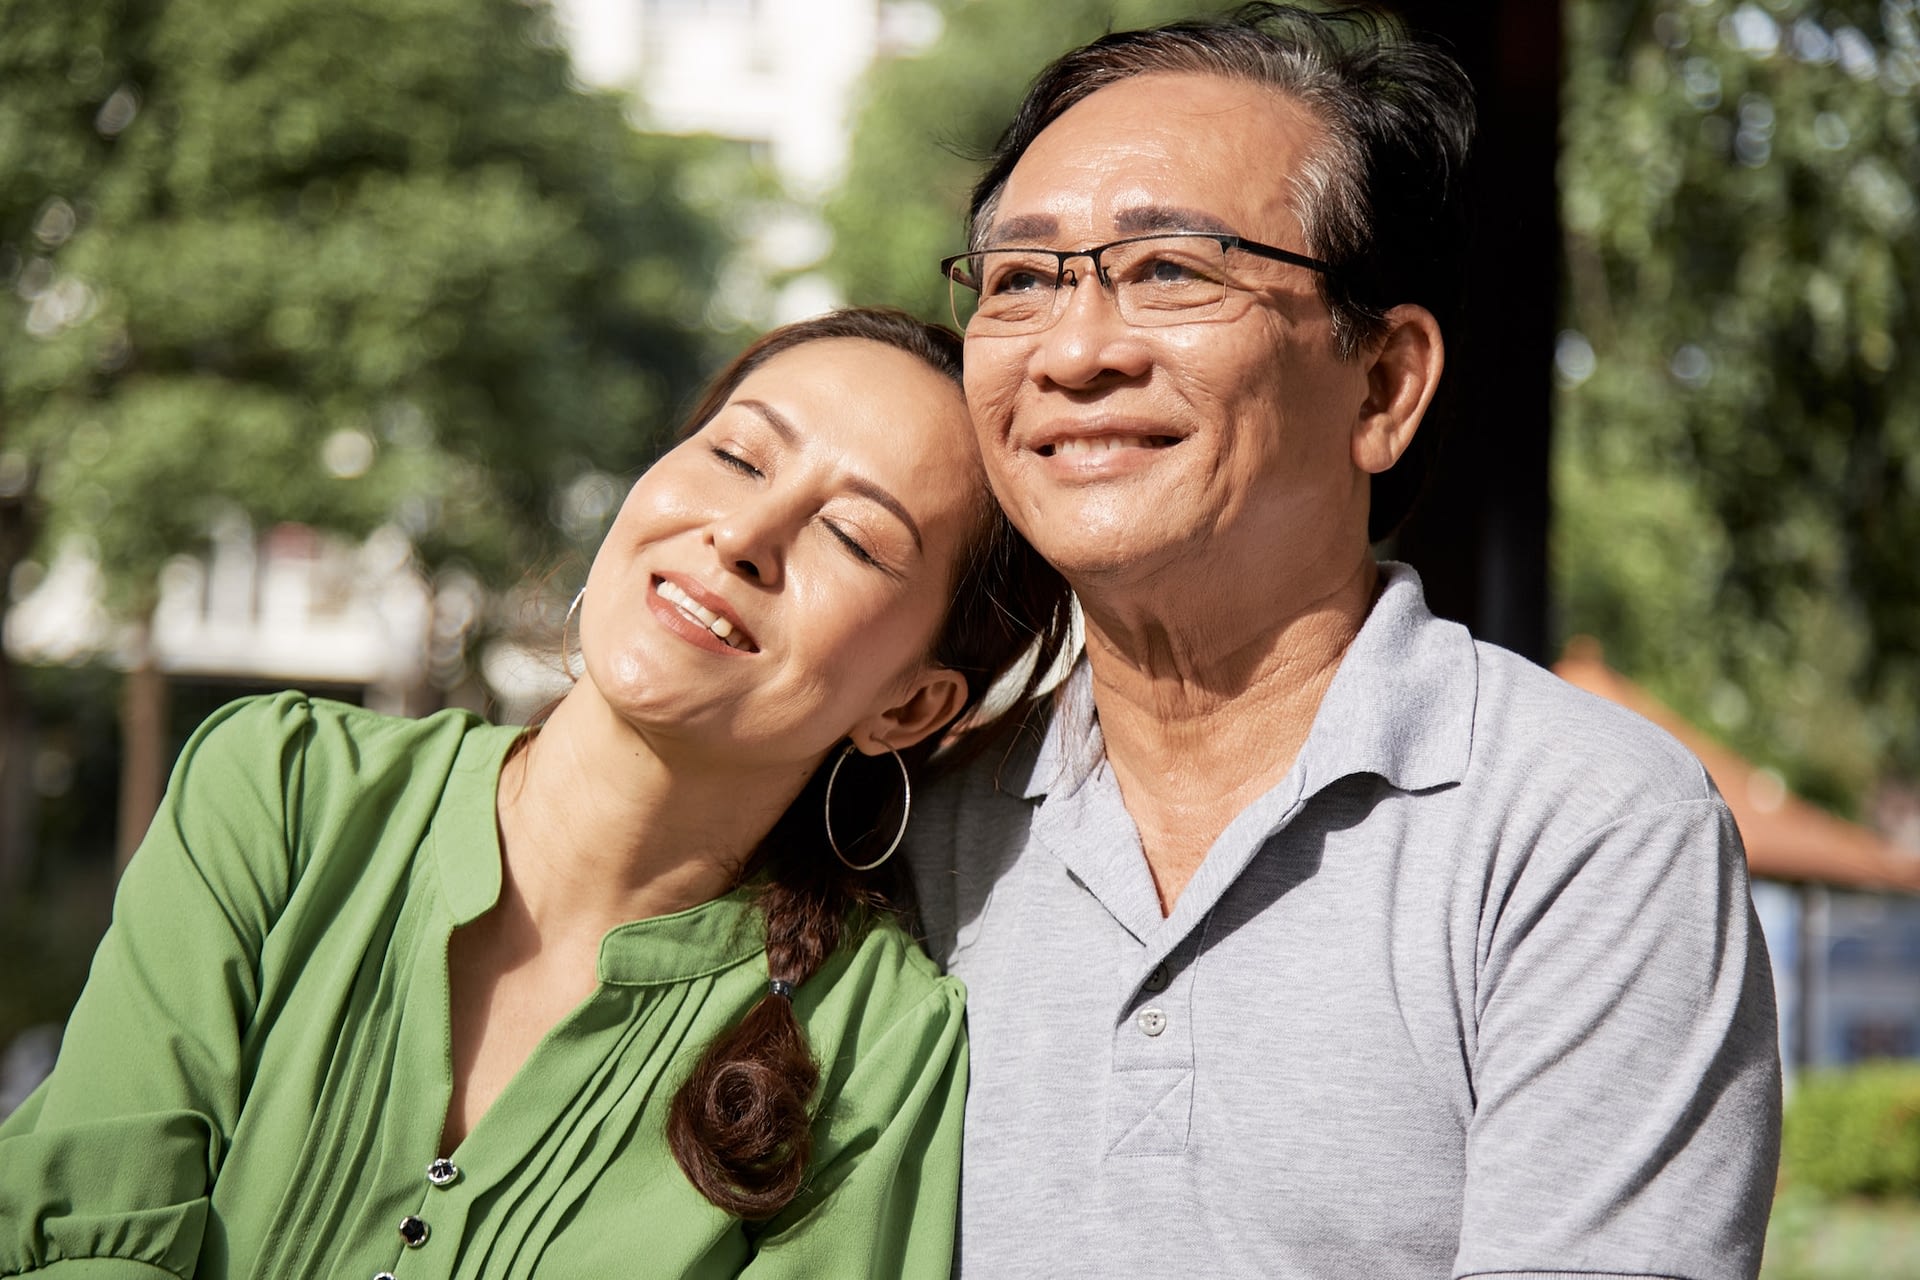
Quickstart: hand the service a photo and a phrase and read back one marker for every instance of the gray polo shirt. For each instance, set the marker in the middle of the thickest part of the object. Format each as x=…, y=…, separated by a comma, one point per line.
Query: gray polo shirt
x=1475, y=990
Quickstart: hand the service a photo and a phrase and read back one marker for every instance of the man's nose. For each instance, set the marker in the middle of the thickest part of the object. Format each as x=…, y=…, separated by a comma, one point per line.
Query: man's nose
x=1088, y=341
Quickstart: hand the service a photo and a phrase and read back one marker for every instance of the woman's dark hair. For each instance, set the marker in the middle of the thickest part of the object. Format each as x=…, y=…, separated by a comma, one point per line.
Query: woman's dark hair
x=1382, y=199
x=740, y=1126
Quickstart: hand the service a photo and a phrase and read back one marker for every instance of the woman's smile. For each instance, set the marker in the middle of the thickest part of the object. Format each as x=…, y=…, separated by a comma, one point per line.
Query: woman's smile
x=712, y=620
x=813, y=523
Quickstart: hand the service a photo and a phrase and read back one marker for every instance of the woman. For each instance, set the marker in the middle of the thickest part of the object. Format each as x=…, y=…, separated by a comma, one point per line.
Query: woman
x=389, y=997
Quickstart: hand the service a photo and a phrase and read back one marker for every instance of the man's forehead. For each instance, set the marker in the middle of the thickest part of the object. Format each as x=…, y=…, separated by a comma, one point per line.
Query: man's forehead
x=1154, y=152
x=1136, y=220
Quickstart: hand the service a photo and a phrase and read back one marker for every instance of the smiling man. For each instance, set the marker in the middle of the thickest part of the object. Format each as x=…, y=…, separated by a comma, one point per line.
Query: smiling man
x=1307, y=936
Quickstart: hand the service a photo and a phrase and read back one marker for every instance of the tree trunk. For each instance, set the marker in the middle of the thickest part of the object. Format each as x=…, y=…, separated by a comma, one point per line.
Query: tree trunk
x=143, y=747
x=17, y=529
x=16, y=791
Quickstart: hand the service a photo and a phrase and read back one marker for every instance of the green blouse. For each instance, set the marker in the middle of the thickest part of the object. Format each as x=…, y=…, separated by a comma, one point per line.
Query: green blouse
x=255, y=1080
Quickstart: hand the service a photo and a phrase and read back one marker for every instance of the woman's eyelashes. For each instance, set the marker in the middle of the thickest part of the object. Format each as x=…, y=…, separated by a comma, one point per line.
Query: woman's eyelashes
x=736, y=462
x=852, y=542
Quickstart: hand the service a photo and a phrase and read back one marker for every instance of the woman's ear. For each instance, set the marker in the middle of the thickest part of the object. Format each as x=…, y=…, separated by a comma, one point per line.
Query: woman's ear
x=935, y=697
x=1403, y=371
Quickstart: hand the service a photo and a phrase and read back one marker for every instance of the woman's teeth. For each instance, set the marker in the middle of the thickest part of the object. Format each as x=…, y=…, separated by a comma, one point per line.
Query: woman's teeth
x=704, y=616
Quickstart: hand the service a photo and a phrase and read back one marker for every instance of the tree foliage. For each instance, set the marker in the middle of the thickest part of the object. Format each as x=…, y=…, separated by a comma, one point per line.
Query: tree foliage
x=925, y=121
x=1738, y=431
x=348, y=262
x=1737, y=436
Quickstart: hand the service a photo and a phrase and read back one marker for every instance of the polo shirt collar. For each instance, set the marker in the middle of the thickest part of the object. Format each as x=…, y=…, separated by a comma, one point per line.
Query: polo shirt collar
x=1400, y=706
x=694, y=943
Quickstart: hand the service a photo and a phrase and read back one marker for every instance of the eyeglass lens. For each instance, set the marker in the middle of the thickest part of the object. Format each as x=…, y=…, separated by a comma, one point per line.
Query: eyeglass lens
x=1154, y=282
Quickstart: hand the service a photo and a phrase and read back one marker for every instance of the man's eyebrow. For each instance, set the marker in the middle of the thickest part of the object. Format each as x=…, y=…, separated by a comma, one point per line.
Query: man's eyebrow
x=1156, y=217
x=1028, y=228
x=1039, y=229
x=866, y=488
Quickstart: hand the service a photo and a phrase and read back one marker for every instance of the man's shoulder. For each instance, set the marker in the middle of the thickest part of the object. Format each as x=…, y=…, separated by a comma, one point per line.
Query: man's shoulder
x=1538, y=736
x=985, y=784
x=970, y=822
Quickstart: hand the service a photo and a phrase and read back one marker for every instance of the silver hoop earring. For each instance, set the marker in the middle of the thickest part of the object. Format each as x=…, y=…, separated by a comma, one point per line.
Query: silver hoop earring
x=906, y=807
x=566, y=624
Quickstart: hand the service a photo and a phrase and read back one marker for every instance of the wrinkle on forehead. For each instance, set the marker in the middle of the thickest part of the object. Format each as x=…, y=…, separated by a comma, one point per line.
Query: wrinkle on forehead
x=1302, y=127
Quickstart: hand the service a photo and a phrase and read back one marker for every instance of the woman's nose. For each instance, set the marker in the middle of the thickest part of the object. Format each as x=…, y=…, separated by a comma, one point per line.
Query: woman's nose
x=751, y=540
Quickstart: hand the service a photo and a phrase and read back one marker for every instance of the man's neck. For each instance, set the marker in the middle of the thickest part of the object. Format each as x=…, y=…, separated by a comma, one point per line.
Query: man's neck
x=1201, y=712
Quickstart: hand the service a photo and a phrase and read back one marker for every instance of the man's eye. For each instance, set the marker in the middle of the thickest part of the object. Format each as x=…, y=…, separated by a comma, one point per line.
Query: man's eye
x=1017, y=278
x=1167, y=271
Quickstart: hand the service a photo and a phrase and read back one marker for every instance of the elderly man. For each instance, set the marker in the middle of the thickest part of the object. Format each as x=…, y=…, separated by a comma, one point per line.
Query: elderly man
x=1306, y=936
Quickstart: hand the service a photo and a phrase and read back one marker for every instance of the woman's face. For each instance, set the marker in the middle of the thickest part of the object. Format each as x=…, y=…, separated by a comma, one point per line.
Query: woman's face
x=777, y=581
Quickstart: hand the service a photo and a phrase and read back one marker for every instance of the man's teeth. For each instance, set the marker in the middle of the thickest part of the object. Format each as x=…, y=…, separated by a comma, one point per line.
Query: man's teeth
x=704, y=616
x=1099, y=444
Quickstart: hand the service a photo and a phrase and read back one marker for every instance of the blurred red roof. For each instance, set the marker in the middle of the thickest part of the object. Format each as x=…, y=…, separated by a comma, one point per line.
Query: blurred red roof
x=1786, y=838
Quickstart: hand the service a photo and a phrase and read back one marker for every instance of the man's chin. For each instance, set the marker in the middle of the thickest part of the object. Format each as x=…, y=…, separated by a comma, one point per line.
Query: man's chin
x=1102, y=557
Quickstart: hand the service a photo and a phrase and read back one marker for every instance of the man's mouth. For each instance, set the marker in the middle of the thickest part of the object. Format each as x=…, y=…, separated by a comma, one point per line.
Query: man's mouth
x=721, y=627
x=1089, y=445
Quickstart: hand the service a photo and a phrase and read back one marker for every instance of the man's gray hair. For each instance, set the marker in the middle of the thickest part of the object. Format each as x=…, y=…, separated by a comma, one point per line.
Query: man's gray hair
x=1381, y=199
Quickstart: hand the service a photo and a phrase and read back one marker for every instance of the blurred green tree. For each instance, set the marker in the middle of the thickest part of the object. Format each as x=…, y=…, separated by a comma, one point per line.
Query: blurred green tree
x=922, y=124
x=345, y=262
x=1738, y=426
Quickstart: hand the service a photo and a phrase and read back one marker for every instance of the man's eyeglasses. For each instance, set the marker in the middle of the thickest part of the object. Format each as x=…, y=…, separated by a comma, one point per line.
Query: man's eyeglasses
x=1168, y=278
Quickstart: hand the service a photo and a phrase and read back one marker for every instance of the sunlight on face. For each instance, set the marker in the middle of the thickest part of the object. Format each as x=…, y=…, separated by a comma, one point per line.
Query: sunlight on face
x=780, y=576
x=1126, y=452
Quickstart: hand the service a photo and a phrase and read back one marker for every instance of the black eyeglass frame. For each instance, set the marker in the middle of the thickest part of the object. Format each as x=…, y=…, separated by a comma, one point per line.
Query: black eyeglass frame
x=1225, y=239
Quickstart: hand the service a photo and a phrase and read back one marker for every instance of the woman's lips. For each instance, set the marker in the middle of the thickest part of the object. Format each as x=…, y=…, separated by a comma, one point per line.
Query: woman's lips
x=718, y=622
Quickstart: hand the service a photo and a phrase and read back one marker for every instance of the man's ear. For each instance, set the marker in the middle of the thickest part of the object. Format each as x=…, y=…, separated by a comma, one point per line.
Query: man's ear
x=935, y=698
x=1403, y=370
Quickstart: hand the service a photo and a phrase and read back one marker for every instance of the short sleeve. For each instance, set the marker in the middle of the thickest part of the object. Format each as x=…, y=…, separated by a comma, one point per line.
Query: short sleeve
x=1626, y=1067
x=107, y=1169
x=882, y=1197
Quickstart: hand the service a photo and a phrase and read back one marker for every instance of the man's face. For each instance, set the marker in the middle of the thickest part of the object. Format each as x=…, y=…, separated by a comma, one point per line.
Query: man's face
x=1204, y=448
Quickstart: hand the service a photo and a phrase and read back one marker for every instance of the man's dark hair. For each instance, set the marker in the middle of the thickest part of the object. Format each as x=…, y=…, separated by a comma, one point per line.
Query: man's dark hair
x=1381, y=199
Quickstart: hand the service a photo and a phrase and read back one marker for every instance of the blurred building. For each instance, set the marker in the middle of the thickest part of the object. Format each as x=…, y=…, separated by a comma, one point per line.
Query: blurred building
x=778, y=76
x=1839, y=904
x=260, y=611
x=286, y=608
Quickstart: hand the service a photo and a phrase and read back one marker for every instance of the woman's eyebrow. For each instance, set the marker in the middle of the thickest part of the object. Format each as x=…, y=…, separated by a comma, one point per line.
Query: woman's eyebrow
x=858, y=484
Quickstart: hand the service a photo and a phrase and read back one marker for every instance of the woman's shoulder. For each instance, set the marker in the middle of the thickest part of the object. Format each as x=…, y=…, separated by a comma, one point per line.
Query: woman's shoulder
x=310, y=768
x=304, y=737
x=881, y=979
x=245, y=725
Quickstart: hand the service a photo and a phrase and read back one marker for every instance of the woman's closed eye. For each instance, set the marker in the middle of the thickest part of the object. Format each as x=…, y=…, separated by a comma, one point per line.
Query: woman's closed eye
x=736, y=462
x=854, y=546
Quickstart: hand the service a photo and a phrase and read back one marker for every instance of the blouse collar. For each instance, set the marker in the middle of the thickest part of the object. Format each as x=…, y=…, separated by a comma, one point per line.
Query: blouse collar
x=695, y=943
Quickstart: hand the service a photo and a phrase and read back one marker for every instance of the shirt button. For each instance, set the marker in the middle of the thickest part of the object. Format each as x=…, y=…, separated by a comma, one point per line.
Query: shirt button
x=1157, y=980
x=443, y=1172
x=414, y=1231
x=383, y=1275
x=1152, y=1021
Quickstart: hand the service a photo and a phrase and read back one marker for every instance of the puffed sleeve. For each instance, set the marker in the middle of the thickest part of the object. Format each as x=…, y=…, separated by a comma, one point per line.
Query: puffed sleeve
x=105, y=1172
x=883, y=1195
x=1626, y=1072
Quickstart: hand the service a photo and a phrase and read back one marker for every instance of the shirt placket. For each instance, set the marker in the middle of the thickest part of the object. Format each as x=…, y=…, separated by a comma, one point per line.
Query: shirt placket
x=1149, y=1108
x=430, y=1235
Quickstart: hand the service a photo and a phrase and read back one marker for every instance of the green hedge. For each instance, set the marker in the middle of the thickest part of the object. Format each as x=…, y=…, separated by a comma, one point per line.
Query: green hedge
x=1855, y=1132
